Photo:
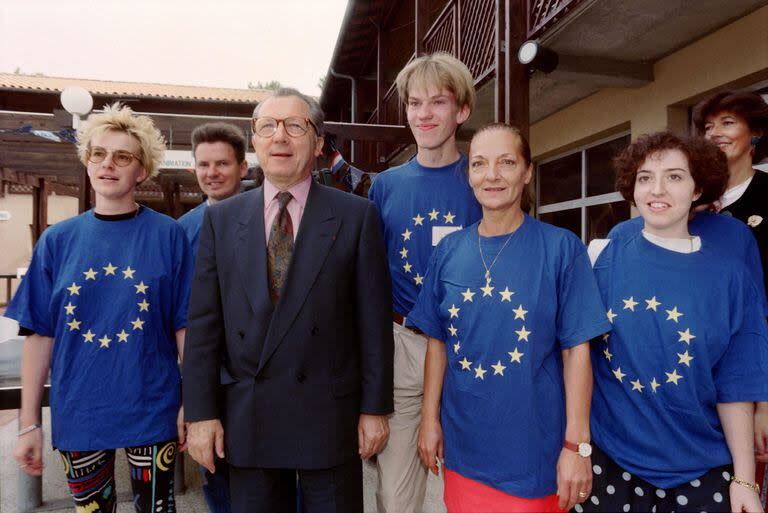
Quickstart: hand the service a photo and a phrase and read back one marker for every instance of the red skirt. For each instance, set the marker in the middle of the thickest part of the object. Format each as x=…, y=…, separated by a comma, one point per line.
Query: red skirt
x=463, y=495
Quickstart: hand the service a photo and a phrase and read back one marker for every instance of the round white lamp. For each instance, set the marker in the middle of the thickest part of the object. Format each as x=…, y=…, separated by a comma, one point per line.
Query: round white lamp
x=77, y=101
x=527, y=52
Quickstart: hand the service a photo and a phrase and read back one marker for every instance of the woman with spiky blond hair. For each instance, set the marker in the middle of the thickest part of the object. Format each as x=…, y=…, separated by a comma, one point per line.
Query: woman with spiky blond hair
x=103, y=307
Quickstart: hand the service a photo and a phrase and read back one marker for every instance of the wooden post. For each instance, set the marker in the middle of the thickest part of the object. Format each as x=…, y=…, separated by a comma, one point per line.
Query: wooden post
x=500, y=91
x=84, y=193
x=178, y=209
x=381, y=88
x=39, y=209
x=421, y=24
x=516, y=84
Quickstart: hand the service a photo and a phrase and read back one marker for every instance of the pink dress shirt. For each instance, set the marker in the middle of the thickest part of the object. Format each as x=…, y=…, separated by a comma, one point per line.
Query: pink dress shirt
x=299, y=191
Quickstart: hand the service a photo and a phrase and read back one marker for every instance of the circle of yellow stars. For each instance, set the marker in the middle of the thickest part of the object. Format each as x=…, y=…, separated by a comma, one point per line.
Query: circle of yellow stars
x=521, y=335
x=89, y=337
x=684, y=358
x=418, y=221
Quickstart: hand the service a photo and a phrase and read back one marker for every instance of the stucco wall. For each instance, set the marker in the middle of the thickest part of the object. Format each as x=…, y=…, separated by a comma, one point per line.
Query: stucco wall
x=15, y=234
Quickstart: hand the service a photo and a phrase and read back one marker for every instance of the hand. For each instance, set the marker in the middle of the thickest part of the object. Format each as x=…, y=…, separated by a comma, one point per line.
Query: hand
x=761, y=432
x=203, y=438
x=29, y=452
x=372, y=434
x=430, y=444
x=744, y=499
x=182, y=429
x=574, y=475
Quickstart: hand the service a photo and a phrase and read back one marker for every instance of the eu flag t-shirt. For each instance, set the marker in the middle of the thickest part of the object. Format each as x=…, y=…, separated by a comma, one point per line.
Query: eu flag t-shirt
x=688, y=333
x=503, y=405
x=418, y=206
x=112, y=294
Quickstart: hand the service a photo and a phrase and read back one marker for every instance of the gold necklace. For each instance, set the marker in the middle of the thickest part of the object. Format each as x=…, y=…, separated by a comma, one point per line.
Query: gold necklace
x=482, y=257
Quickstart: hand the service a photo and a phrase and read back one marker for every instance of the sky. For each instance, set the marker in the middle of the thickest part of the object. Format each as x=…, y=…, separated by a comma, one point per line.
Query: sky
x=217, y=43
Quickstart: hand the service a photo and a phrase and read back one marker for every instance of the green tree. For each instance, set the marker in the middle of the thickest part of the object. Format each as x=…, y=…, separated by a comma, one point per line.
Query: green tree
x=272, y=85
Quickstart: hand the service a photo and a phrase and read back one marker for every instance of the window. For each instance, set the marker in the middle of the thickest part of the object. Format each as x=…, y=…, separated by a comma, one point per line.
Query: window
x=576, y=190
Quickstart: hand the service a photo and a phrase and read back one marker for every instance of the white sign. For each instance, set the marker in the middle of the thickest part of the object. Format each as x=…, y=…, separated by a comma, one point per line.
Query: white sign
x=5, y=215
x=438, y=232
x=183, y=159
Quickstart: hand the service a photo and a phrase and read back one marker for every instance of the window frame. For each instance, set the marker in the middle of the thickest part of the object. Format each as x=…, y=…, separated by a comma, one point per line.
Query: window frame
x=583, y=201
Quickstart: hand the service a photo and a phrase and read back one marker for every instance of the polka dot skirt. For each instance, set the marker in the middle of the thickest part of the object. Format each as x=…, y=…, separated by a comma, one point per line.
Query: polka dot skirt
x=615, y=489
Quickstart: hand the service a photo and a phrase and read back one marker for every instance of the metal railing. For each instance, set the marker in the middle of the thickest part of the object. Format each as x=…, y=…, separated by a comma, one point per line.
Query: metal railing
x=542, y=14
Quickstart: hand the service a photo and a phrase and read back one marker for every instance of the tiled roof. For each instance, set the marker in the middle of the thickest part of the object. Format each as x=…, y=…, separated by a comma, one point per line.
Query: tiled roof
x=136, y=89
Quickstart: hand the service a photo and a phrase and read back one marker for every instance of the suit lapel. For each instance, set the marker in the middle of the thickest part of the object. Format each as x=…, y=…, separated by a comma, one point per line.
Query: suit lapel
x=317, y=232
x=251, y=253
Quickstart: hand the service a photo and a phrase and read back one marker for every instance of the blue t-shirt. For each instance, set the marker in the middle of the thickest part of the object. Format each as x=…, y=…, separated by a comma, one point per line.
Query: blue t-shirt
x=418, y=206
x=191, y=222
x=688, y=333
x=112, y=294
x=503, y=406
x=722, y=233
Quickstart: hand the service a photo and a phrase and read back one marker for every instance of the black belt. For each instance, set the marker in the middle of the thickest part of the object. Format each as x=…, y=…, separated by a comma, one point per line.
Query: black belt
x=399, y=319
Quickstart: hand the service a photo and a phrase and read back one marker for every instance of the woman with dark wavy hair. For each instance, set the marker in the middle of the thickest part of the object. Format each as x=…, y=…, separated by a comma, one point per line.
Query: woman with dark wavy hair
x=737, y=122
x=676, y=378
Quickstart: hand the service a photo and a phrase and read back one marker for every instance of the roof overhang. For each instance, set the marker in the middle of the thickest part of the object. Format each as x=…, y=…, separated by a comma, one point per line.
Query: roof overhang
x=615, y=43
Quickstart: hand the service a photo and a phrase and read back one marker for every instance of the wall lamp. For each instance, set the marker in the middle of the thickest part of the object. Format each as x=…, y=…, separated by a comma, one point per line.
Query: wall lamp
x=532, y=54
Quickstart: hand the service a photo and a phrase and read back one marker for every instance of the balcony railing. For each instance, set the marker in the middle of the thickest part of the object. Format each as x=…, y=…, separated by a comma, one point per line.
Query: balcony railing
x=466, y=28
x=542, y=14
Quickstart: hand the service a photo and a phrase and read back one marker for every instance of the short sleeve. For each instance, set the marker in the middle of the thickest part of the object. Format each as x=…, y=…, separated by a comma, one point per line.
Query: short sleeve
x=425, y=314
x=183, y=267
x=740, y=375
x=755, y=267
x=596, y=247
x=580, y=313
x=31, y=305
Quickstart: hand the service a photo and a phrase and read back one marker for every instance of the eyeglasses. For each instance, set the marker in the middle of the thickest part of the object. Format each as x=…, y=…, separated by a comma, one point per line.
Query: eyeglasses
x=294, y=126
x=121, y=158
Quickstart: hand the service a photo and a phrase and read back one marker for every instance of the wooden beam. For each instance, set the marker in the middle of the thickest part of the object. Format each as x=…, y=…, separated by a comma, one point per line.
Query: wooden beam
x=362, y=132
x=14, y=176
x=72, y=190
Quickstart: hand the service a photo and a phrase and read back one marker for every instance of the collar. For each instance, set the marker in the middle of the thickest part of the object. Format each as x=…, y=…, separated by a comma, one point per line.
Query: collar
x=299, y=191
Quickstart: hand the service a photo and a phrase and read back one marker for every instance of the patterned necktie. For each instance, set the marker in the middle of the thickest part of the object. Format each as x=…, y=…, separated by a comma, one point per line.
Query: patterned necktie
x=280, y=246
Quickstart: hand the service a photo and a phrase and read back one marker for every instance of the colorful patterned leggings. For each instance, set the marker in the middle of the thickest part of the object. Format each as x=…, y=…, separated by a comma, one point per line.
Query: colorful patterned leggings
x=91, y=478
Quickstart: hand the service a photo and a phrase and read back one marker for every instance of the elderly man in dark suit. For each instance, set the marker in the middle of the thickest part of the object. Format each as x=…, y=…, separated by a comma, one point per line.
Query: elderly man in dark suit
x=290, y=315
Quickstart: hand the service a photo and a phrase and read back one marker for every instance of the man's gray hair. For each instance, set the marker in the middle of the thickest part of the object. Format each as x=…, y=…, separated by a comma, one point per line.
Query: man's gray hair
x=315, y=112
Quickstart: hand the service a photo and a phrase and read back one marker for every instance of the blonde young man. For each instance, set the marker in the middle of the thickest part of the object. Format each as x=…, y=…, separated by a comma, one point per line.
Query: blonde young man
x=420, y=202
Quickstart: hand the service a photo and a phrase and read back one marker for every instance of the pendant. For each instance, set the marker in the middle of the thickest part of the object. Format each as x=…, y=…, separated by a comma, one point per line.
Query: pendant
x=487, y=277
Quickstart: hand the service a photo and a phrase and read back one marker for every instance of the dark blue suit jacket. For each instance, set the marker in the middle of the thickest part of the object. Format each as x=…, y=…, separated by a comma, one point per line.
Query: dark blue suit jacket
x=295, y=376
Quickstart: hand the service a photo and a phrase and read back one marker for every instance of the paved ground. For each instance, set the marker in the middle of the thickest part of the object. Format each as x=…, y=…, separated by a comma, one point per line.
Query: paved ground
x=55, y=490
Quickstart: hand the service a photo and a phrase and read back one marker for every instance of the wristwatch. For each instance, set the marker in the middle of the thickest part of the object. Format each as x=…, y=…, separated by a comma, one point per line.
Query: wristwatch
x=583, y=449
